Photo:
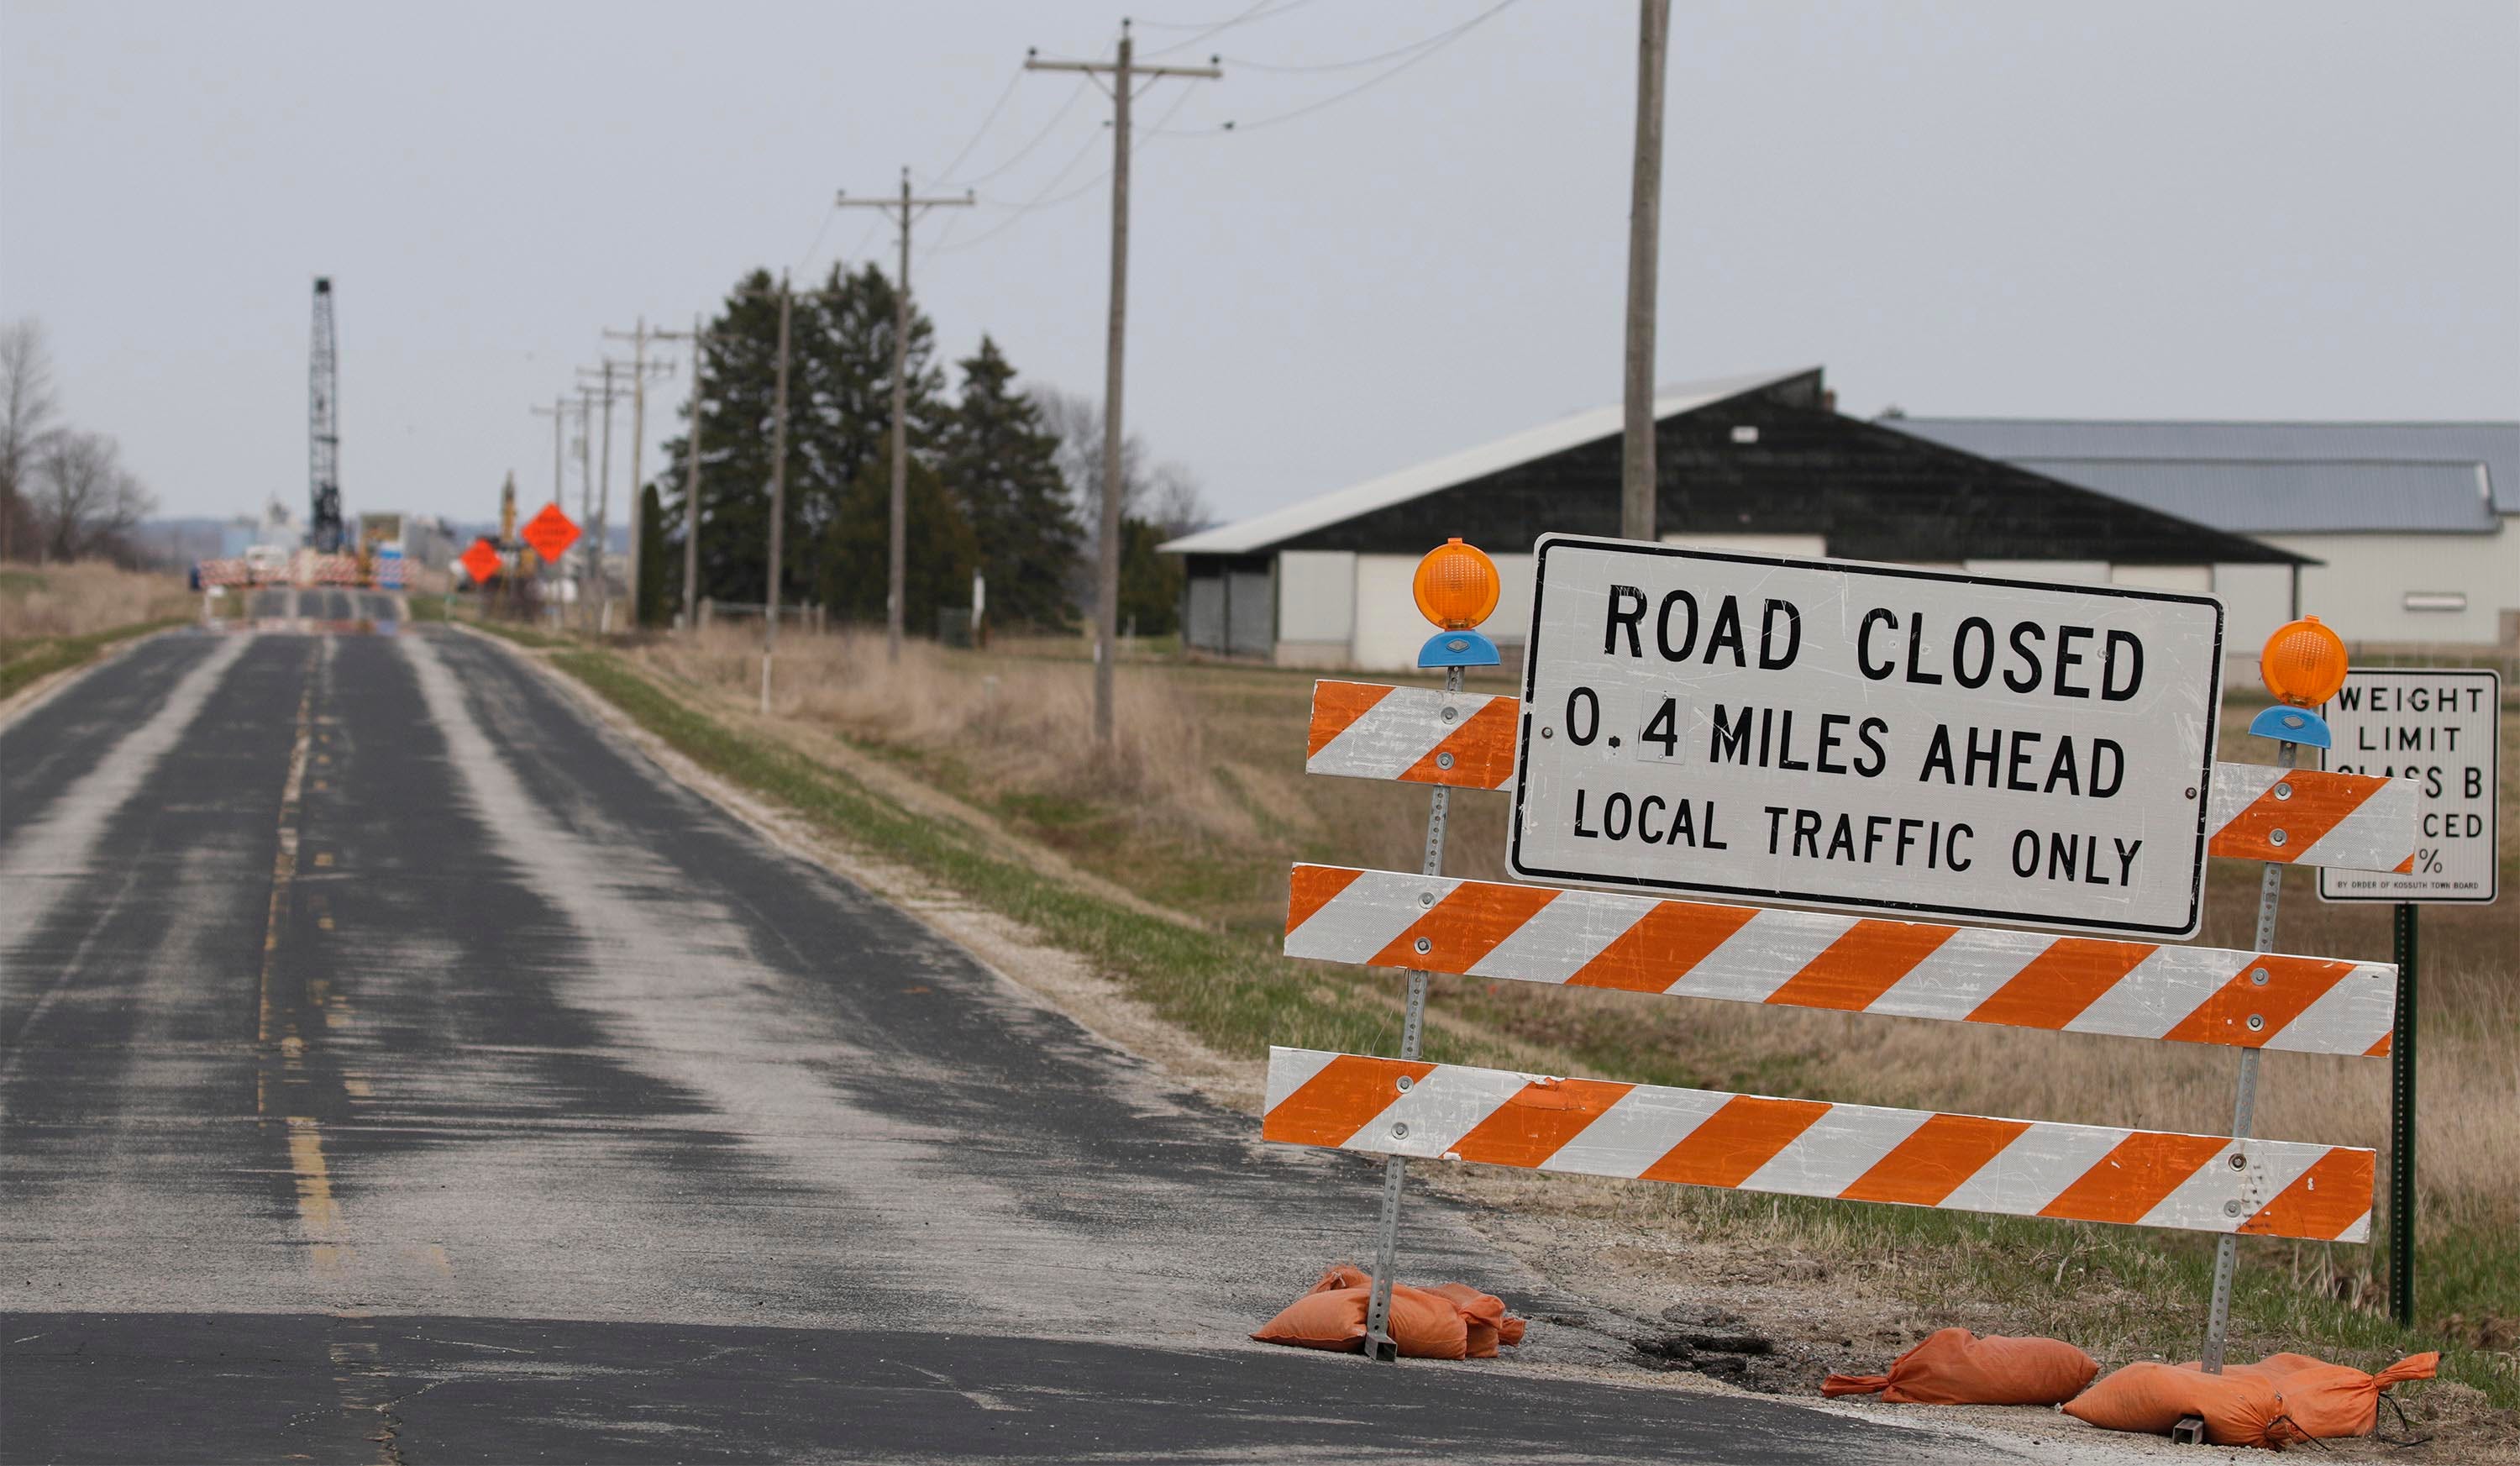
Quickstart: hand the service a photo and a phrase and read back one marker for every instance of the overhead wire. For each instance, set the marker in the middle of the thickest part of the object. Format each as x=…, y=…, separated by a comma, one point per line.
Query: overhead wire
x=1432, y=46
x=981, y=132
x=1043, y=199
x=1438, y=38
x=1262, y=10
x=1083, y=85
x=820, y=230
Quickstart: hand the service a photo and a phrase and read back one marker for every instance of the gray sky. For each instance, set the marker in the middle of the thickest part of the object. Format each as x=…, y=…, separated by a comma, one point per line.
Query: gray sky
x=2296, y=209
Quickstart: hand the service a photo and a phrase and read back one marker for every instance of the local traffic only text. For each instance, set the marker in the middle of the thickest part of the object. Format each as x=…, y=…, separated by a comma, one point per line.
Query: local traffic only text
x=1831, y=735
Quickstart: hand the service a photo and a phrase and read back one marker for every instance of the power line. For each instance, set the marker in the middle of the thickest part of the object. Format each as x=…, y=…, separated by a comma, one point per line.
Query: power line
x=1432, y=48
x=1042, y=199
x=820, y=230
x=1438, y=38
x=983, y=130
x=1261, y=10
x=1026, y=150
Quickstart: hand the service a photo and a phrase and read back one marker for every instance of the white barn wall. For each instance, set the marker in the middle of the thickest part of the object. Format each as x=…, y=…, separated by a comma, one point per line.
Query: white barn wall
x=2256, y=599
x=2362, y=587
x=1389, y=630
x=1316, y=607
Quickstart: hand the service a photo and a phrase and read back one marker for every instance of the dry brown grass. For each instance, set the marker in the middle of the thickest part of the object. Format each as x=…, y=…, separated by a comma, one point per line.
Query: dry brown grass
x=75, y=600
x=1012, y=727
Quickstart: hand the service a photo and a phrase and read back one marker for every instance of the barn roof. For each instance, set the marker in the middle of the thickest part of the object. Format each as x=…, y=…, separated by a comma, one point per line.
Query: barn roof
x=1260, y=531
x=1765, y=453
x=2266, y=478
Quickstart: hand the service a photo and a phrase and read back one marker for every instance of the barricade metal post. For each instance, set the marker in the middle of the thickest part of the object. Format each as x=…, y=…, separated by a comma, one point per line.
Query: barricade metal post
x=1456, y=588
x=1378, y=1342
x=2402, y=1125
x=2217, y=1315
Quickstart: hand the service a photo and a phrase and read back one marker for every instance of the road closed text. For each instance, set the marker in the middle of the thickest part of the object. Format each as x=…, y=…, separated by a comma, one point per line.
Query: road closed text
x=1865, y=736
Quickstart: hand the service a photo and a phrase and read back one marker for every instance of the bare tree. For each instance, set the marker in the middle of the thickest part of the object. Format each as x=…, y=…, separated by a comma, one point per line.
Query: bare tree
x=85, y=501
x=26, y=411
x=1077, y=421
x=1172, y=502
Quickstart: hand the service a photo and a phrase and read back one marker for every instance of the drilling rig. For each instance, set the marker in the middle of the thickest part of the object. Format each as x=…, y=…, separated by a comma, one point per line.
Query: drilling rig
x=323, y=427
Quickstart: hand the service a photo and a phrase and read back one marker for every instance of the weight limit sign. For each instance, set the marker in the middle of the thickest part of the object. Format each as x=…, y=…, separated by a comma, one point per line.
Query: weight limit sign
x=2440, y=727
x=1870, y=737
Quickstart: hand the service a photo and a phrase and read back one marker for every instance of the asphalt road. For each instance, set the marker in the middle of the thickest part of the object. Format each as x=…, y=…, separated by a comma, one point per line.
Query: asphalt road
x=395, y=1067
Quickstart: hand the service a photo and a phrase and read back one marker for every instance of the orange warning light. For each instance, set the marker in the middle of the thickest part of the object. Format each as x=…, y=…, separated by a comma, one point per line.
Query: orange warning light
x=2304, y=662
x=1457, y=585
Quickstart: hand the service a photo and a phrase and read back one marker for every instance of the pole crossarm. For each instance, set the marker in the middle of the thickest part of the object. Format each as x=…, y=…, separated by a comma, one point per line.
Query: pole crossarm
x=1034, y=62
x=904, y=210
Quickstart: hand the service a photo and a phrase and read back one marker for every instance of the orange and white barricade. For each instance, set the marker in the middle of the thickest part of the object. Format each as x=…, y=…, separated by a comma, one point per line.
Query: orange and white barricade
x=1425, y=923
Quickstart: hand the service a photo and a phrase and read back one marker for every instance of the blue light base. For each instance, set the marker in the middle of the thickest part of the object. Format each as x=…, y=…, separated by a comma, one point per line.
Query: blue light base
x=2291, y=725
x=1457, y=648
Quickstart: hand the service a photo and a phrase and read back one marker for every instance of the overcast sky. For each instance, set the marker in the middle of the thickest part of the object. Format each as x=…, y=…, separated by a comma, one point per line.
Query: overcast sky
x=2280, y=210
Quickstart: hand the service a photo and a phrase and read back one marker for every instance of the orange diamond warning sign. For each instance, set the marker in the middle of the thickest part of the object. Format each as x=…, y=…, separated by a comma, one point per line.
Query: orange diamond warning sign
x=551, y=532
x=480, y=562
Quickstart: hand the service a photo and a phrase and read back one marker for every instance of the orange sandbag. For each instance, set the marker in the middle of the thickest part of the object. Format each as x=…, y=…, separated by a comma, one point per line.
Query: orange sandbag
x=1484, y=1316
x=2329, y=1400
x=2240, y=1408
x=1343, y=1275
x=1424, y=1325
x=1956, y=1368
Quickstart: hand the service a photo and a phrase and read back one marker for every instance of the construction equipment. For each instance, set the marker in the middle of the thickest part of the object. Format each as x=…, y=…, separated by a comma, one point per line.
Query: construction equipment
x=323, y=427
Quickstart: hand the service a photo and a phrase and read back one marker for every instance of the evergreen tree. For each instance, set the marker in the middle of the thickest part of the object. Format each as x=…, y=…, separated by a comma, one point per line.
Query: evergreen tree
x=1151, y=584
x=937, y=558
x=1000, y=463
x=652, y=559
x=735, y=391
x=843, y=384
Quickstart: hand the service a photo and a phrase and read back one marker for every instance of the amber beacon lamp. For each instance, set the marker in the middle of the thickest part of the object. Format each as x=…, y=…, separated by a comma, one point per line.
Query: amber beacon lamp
x=1456, y=588
x=2303, y=666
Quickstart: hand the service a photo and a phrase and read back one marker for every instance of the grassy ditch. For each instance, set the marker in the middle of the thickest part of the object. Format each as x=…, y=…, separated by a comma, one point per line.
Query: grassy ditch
x=25, y=658
x=1205, y=803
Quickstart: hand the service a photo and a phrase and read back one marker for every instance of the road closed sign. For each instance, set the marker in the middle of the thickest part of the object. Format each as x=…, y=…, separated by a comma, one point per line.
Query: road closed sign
x=2440, y=727
x=1863, y=736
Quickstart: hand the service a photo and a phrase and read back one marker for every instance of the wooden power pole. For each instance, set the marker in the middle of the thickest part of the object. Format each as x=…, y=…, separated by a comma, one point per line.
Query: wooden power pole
x=699, y=338
x=559, y=411
x=638, y=337
x=904, y=210
x=1107, y=571
x=1644, y=242
x=778, y=495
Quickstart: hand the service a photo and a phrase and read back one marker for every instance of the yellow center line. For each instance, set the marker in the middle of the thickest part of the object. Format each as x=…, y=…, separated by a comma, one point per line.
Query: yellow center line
x=284, y=870
x=319, y=1215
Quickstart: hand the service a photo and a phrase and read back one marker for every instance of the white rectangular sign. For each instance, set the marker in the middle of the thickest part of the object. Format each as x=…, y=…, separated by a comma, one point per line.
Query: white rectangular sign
x=2440, y=727
x=1874, y=737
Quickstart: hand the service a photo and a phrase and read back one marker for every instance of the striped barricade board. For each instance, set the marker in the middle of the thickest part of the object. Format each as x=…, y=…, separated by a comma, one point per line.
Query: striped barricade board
x=2307, y=816
x=2018, y=1167
x=1810, y=959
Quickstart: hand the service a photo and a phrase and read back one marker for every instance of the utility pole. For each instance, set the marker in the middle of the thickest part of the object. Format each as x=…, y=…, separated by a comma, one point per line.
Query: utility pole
x=1107, y=571
x=636, y=373
x=586, y=481
x=778, y=495
x=559, y=411
x=699, y=338
x=1645, y=244
x=602, y=504
x=638, y=337
x=905, y=211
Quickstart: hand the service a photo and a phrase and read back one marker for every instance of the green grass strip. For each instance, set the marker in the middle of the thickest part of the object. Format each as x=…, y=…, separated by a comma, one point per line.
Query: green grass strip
x=22, y=661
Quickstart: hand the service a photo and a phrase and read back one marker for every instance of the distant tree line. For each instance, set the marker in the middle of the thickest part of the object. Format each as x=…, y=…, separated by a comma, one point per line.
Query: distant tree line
x=64, y=492
x=999, y=479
